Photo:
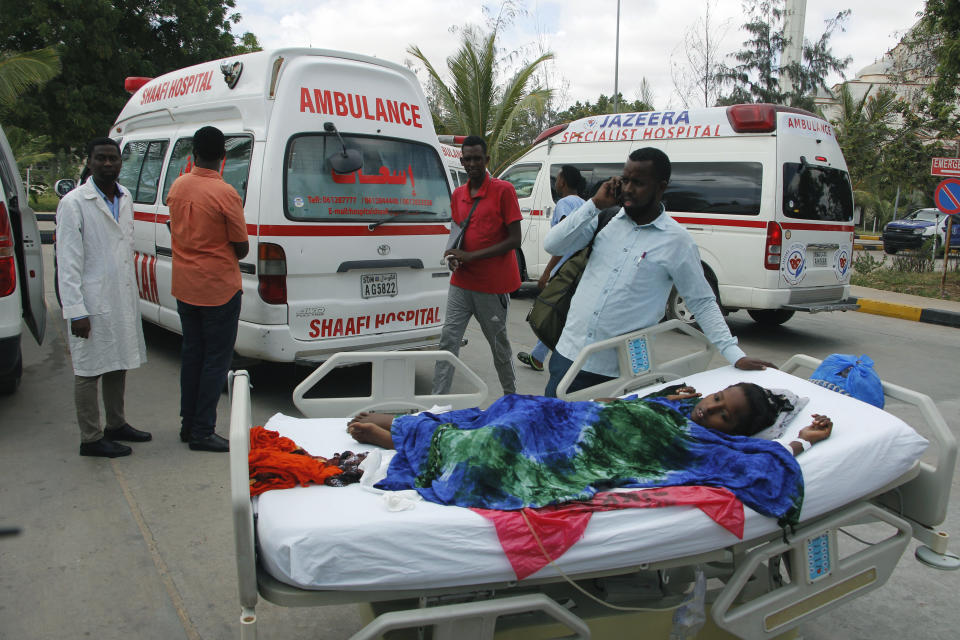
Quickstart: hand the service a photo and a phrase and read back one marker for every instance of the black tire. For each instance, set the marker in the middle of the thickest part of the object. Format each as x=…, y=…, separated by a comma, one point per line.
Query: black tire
x=889, y=250
x=770, y=317
x=10, y=382
x=677, y=309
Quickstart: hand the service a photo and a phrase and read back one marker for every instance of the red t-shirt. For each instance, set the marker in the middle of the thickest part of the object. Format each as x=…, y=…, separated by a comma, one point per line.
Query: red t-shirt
x=496, y=209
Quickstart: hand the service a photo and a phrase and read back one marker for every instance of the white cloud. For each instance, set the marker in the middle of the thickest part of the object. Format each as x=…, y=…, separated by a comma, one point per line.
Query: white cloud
x=581, y=33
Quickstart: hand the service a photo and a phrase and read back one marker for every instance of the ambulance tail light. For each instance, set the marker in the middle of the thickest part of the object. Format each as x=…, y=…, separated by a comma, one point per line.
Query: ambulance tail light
x=752, y=118
x=451, y=139
x=549, y=133
x=8, y=267
x=133, y=83
x=773, y=247
x=272, y=273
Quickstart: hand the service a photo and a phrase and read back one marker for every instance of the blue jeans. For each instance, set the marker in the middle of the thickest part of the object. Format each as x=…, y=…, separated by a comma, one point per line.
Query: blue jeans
x=558, y=368
x=209, y=334
x=540, y=352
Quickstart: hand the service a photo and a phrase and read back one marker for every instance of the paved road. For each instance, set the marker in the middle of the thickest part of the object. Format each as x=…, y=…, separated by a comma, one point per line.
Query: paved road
x=140, y=547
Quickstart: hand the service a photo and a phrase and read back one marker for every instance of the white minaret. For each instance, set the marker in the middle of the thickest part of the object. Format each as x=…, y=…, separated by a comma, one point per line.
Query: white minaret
x=794, y=14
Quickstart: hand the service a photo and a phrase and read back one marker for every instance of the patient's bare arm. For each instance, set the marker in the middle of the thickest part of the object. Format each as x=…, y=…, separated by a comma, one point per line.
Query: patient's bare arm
x=818, y=430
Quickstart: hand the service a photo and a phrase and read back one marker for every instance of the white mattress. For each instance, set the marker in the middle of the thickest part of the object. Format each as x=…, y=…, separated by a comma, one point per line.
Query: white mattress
x=346, y=539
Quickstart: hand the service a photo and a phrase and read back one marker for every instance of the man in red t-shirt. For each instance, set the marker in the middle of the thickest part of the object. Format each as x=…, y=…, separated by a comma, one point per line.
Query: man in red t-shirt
x=209, y=237
x=484, y=268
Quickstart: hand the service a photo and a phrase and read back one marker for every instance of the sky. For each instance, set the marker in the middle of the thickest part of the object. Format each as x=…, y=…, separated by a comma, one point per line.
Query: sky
x=580, y=33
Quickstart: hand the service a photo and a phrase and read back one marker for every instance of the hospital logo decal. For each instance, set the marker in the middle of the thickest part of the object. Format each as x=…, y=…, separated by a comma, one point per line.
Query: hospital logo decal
x=841, y=262
x=794, y=263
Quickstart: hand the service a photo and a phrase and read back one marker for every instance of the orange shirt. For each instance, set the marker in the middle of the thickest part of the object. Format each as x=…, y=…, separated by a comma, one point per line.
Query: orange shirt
x=206, y=215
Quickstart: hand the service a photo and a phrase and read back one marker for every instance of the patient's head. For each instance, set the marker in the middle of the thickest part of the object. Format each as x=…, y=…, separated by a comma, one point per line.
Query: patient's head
x=742, y=409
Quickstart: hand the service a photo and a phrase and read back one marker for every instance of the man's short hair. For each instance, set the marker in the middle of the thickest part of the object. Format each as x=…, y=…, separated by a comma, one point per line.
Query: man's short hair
x=661, y=163
x=573, y=177
x=209, y=143
x=97, y=142
x=475, y=141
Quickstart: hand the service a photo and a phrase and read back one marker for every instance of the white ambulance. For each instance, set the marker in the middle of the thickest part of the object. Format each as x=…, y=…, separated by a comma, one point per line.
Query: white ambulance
x=340, y=259
x=763, y=189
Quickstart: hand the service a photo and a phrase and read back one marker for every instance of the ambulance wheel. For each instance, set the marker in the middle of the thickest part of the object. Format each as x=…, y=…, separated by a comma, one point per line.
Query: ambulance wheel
x=677, y=308
x=770, y=317
x=889, y=250
x=10, y=381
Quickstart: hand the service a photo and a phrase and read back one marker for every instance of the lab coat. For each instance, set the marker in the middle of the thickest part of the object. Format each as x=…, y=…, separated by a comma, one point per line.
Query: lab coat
x=97, y=279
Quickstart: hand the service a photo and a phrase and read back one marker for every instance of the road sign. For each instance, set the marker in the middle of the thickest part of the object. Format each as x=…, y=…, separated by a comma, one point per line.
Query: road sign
x=945, y=167
x=947, y=196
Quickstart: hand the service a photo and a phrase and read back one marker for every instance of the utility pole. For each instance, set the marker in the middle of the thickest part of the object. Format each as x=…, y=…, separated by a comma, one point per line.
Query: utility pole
x=616, y=67
x=794, y=14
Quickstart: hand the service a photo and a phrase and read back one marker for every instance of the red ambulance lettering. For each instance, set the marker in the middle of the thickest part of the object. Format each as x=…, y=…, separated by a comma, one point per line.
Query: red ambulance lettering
x=326, y=102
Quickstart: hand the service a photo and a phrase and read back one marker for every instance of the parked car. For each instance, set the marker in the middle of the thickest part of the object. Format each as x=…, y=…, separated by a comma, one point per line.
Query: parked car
x=21, y=271
x=911, y=231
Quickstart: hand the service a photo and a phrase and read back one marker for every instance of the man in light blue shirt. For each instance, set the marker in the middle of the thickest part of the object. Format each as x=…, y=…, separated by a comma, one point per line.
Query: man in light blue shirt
x=636, y=260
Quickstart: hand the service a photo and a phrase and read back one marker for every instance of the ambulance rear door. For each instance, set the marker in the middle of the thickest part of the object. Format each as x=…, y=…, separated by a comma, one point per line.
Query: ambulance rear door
x=815, y=211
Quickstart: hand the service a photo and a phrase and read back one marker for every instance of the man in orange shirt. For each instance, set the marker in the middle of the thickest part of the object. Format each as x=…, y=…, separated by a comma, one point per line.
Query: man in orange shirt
x=209, y=237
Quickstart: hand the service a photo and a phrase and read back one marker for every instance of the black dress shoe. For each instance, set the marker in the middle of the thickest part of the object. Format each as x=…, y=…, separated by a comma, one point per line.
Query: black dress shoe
x=212, y=442
x=127, y=434
x=104, y=448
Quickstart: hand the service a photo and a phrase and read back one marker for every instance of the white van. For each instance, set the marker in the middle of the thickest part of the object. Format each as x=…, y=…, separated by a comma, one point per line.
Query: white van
x=339, y=261
x=763, y=190
x=451, y=157
x=21, y=271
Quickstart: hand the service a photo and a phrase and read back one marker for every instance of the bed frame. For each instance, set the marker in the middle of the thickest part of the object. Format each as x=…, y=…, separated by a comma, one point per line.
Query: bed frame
x=757, y=588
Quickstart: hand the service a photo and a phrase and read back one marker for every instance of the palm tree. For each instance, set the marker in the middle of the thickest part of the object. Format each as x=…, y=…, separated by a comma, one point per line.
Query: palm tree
x=23, y=70
x=473, y=103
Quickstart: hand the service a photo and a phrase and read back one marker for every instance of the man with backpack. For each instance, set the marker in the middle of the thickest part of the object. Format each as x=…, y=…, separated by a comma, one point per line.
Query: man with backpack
x=637, y=258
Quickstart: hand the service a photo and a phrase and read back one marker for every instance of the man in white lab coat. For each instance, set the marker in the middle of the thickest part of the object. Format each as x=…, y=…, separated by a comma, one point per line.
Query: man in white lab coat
x=99, y=294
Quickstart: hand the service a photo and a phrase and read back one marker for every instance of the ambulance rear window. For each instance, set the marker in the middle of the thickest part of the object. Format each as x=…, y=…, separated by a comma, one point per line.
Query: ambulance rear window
x=812, y=192
x=399, y=179
x=715, y=187
x=235, y=167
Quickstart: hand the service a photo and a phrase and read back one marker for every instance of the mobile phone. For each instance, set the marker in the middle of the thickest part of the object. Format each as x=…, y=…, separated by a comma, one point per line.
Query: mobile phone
x=618, y=192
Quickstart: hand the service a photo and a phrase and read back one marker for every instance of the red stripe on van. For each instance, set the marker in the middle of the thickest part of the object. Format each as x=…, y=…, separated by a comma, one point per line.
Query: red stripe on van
x=813, y=226
x=759, y=224
x=291, y=230
x=279, y=230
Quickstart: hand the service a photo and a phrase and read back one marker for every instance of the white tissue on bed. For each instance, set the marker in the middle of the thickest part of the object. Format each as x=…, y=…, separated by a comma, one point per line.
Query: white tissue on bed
x=401, y=500
x=374, y=468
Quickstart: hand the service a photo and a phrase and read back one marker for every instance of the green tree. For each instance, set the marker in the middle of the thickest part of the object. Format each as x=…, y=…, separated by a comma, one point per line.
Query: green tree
x=23, y=70
x=603, y=105
x=940, y=25
x=101, y=42
x=756, y=76
x=475, y=100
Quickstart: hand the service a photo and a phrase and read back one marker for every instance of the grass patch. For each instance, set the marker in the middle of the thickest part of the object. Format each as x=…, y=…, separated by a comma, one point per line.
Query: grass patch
x=916, y=284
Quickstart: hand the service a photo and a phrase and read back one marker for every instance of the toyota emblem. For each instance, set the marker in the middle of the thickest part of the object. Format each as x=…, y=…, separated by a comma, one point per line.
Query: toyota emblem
x=383, y=249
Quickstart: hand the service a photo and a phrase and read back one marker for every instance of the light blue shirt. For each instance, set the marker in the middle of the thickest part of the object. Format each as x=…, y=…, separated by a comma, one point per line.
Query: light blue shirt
x=113, y=205
x=628, y=278
x=565, y=206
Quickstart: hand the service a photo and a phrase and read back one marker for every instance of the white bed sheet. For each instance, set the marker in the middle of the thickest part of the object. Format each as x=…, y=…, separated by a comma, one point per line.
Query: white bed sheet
x=346, y=539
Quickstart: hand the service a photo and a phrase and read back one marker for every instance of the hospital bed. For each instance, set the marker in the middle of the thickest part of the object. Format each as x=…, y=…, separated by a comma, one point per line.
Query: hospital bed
x=441, y=568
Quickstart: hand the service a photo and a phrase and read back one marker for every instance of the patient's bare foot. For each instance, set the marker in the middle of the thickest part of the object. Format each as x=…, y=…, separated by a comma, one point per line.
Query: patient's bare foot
x=384, y=420
x=369, y=433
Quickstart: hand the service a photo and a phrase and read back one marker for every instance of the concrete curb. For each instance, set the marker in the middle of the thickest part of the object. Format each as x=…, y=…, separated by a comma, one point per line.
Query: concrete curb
x=907, y=312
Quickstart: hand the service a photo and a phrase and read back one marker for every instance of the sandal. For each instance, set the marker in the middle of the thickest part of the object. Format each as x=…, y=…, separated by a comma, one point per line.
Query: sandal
x=528, y=360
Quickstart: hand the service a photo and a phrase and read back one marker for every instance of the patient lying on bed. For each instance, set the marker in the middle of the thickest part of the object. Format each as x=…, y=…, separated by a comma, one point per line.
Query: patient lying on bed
x=531, y=451
x=742, y=409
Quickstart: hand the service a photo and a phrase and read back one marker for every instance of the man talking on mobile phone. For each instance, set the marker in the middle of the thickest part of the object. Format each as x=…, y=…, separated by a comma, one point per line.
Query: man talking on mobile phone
x=637, y=258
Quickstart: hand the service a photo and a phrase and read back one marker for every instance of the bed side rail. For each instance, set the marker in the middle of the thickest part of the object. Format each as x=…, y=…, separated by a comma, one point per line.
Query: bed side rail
x=472, y=620
x=925, y=498
x=392, y=385
x=641, y=361
x=785, y=606
x=241, y=419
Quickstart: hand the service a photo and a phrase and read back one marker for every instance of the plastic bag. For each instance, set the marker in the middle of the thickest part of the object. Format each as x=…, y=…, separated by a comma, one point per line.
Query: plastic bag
x=850, y=376
x=691, y=615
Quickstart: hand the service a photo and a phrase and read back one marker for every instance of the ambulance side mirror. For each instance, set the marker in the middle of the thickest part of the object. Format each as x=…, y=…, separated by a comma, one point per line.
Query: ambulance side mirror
x=346, y=161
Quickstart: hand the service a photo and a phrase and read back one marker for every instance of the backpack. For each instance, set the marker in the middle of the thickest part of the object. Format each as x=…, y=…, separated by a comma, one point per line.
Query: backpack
x=548, y=315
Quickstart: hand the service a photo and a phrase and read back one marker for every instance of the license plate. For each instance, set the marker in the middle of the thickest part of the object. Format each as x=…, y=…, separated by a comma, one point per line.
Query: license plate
x=376, y=285
x=819, y=258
